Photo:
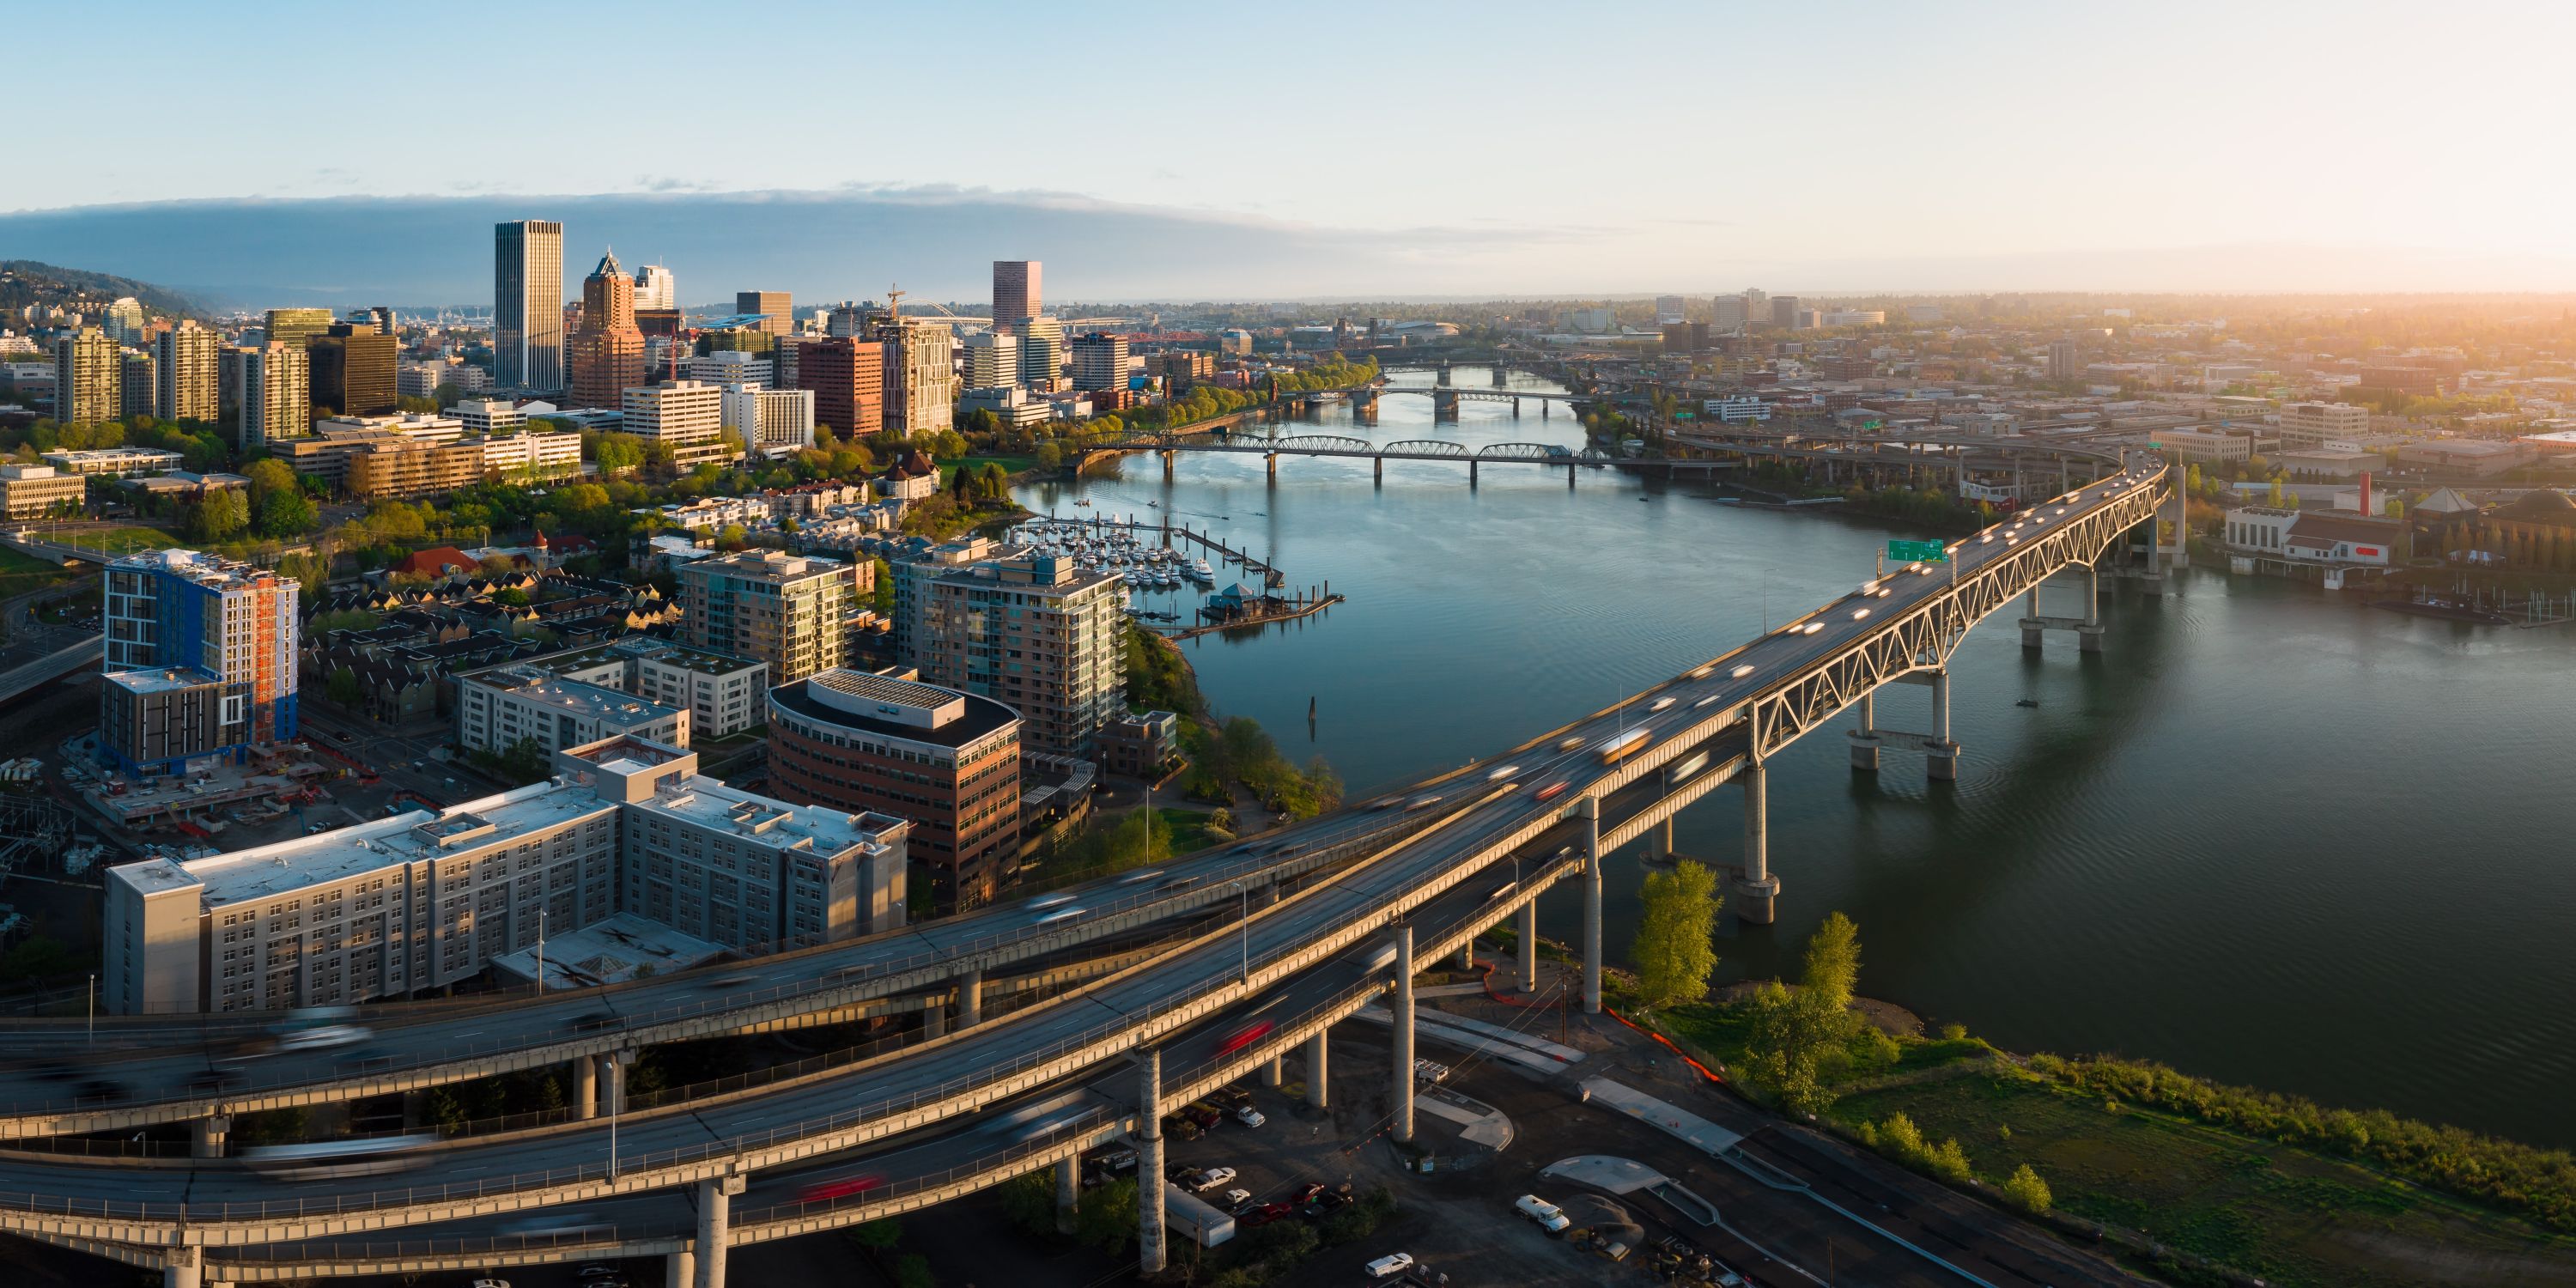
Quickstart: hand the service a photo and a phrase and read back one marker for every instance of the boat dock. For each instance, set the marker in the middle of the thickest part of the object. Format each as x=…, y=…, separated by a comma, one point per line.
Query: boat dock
x=1271, y=578
x=1265, y=611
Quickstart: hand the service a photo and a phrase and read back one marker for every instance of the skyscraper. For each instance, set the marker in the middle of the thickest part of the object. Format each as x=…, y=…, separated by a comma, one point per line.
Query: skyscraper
x=1015, y=291
x=527, y=304
x=124, y=320
x=274, y=393
x=1100, y=361
x=295, y=326
x=777, y=309
x=1041, y=352
x=655, y=288
x=992, y=360
x=135, y=383
x=847, y=375
x=184, y=623
x=608, y=350
x=920, y=377
x=1037, y=634
x=184, y=385
x=769, y=606
x=89, y=377
x=352, y=371
x=2063, y=359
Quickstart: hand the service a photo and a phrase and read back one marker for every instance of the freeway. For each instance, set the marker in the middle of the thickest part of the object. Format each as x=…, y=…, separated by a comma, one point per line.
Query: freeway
x=1485, y=817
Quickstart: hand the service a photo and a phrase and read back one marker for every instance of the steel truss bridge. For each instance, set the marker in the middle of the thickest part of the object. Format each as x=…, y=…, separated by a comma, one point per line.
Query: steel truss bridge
x=1287, y=934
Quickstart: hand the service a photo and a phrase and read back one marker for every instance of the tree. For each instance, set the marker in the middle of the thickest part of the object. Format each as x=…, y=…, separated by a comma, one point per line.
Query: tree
x=219, y=516
x=1832, y=968
x=1672, y=952
x=287, y=513
x=1049, y=458
x=2024, y=1190
x=883, y=601
x=269, y=475
x=1107, y=1218
x=343, y=688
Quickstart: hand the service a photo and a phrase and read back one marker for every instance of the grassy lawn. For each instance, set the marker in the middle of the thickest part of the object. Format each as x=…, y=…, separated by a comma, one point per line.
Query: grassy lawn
x=20, y=573
x=1190, y=832
x=2295, y=1217
x=1009, y=464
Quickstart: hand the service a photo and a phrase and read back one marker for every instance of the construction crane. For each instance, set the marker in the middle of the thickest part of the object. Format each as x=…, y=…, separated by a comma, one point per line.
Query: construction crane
x=894, y=303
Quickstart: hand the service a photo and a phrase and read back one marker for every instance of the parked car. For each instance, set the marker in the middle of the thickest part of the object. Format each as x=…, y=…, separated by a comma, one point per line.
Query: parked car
x=1238, y=1200
x=1394, y=1263
x=1267, y=1213
x=1324, y=1205
x=1249, y=1116
x=1213, y=1178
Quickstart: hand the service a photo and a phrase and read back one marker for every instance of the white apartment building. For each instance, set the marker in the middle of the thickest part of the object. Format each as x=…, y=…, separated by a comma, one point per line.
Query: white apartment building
x=532, y=456
x=722, y=694
x=920, y=377
x=2311, y=424
x=498, y=709
x=685, y=415
x=484, y=415
x=729, y=367
x=771, y=421
x=426, y=899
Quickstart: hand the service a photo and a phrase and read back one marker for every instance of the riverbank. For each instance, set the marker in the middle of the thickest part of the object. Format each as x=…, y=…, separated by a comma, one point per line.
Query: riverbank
x=2193, y=1182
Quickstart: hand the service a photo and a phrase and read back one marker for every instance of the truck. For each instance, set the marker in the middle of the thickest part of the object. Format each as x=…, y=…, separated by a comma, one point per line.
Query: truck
x=1194, y=1217
x=1623, y=746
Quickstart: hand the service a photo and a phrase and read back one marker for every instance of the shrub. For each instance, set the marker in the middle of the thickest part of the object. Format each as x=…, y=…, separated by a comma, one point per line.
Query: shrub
x=2024, y=1190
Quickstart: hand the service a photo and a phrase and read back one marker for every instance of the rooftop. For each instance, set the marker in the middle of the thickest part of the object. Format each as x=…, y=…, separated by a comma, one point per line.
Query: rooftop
x=542, y=686
x=765, y=821
x=767, y=565
x=974, y=718
x=212, y=571
x=620, y=948
x=161, y=679
x=319, y=859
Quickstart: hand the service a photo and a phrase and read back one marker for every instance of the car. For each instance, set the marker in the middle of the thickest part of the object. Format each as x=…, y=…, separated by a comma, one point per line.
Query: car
x=1238, y=1201
x=1205, y=1118
x=1267, y=1213
x=727, y=981
x=1249, y=1116
x=343, y=737
x=1811, y=628
x=1117, y=1160
x=1213, y=1178
x=490, y=1283
x=1553, y=790
x=1306, y=1193
x=839, y=1187
x=1569, y=744
x=1060, y=916
x=1188, y=1177
x=596, y=1271
x=1740, y=672
x=593, y=1022
x=1394, y=1263
x=1147, y=874
x=1549, y=1216
x=323, y=1038
x=1325, y=1204
x=1662, y=703
x=1045, y=901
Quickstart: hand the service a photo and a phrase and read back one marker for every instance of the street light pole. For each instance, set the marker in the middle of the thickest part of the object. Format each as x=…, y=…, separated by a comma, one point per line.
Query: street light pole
x=1244, y=907
x=93, y=1008
x=541, y=950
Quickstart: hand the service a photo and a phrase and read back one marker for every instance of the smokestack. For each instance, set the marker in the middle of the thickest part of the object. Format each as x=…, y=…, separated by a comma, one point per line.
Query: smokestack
x=2366, y=511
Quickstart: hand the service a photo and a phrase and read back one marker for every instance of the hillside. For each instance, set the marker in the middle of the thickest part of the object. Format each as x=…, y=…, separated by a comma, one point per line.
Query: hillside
x=25, y=281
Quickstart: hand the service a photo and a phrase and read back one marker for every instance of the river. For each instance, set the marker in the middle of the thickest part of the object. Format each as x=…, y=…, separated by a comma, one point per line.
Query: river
x=2266, y=836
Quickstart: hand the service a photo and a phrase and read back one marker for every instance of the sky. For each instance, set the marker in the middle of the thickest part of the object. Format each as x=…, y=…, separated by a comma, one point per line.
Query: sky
x=1424, y=148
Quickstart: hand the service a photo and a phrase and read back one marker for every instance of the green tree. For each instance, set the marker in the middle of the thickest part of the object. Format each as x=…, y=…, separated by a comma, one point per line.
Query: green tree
x=1049, y=458
x=269, y=475
x=1832, y=967
x=1672, y=949
x=883, y=601
x=1028, y=1201
x=287, y=513
x=220, y=516
x=343, y=688
x=2024, y=1190
x=1107, y=1218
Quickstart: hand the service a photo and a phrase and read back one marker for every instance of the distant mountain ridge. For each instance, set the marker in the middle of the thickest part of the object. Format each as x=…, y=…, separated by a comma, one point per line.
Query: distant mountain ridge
x=26, y=281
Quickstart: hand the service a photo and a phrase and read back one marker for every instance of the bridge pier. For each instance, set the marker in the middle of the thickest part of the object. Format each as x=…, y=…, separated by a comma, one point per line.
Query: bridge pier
x=1467, y=955
x=1318, y=1048
x=1273, y=1073
x=680, y=1269
x=1590, y=810
x=1271, y=460
x=2088, y=628
x=1379, y=463
x=1402, y=1070
x=206, y=1135
x=1068, y=1191
x=183, y=1267
x=1516, y=409
x=1149, y=1161
x=1569, y=478
x=1471, y=472
x=715, y=1226
x=1864, y=740
x=585, y=1087
x=1529, y=945
x=1757, y=891
x=970, y=999
x=1941, y=755
x=1168, y=456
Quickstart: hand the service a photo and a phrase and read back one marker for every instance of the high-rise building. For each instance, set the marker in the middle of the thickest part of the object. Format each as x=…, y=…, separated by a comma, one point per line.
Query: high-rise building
x=2313, y=424
x=295, y=326
x=137, y=390
x=992, y=360
x=2064, y=361
x=627, y=829
x=847, y=375
x=1041, y=352
x=920, y=377
x=123, y=320
x=608, y=350
x=1730, y=312
x=273, y=388
x=854, y=317
x=1038, y=635
x=1757, y=306
x=187, y=359
x=89, y=377
x=771, y=421
x=656, y=289
x=947, y=761
x=776, y=309
x=730, y=367
x=200, y=660
x=527, y=304
x=381, y=316
x=1099, y=361
x=1015, y=291
x=1670, y=309
x=786, y=610
x=1784, y=311
x=685, y=416
x=353, y=370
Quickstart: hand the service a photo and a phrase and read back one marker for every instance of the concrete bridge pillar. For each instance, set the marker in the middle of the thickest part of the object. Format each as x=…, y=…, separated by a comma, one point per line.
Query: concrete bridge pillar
x=1068, y=1191
x=1272, y=1074
x=1590, y=810
x=1502, y=375
x=2031, y=630
x=1471, y=471
x=1444, y=375
x=1318, y=1048
x=1941, y=755
x=715, y=1226
x=1379, y=463
x=934, y=1020
x=1529, y=945
x=680, y=1269
x=970, y=998
x=1467, y=955
x=2088, y=637
x=1569, y=478
x=183, y=1267
x=1516, y=409
x=1168, y=456
x=1864, y=740
x=585, y=1087
x=1757, y=891
x=1401, y=1070
x=1546, y=408
x=1271, y=461
x=206, y=1135
x=1149, y=1161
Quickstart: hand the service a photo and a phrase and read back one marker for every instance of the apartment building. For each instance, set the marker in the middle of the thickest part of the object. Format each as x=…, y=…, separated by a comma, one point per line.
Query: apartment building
x=771, y=421
x=920, y=377
x=272, y=385
x=992, y=360
x=729, y=367
x=188, y=367
x=1037, y=634
x=721, y=693
x=847, y=376
x=1099, y=361
x=429, y=898
x=785, y=610
x=948, y=761
x=2314, y=424
x=497, y=709
x=89, y=375
x=233, y=623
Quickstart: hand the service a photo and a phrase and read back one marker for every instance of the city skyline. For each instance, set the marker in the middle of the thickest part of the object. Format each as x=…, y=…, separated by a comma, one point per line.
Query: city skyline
x=2012, y=147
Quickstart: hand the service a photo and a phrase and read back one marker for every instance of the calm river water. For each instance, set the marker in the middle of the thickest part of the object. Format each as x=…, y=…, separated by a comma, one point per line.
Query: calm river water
x=2267, y=836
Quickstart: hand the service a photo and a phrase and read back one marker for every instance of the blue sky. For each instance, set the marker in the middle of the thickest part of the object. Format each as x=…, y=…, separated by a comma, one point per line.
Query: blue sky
x=1555, y=147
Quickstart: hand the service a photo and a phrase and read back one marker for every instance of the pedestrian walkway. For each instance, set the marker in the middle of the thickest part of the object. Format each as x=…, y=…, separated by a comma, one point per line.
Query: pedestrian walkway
x=1496, y=1042
x=1671, y=1119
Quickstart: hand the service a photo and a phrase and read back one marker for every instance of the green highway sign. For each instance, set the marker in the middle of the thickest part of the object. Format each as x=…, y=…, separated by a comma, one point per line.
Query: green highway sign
x=1917, y=552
